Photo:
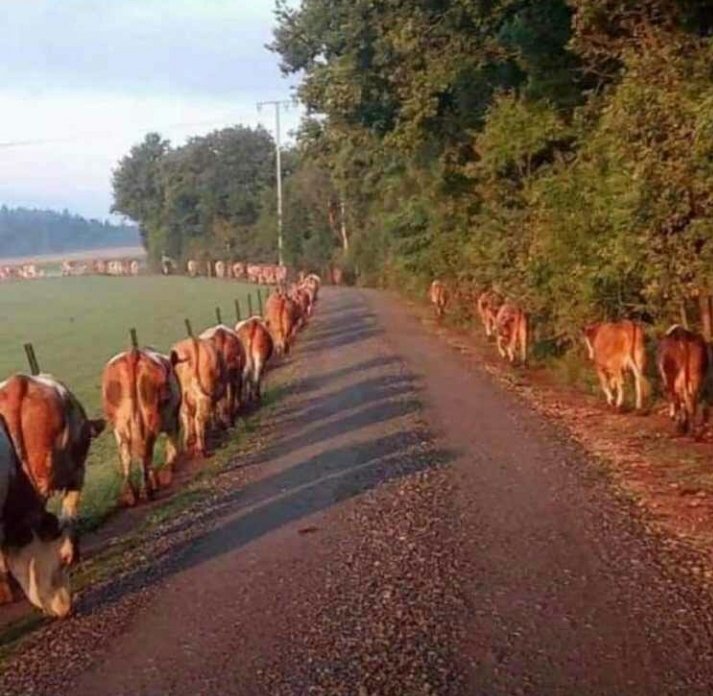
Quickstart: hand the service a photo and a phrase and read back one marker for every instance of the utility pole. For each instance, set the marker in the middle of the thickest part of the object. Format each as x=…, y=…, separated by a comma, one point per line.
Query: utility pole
x=278, y=105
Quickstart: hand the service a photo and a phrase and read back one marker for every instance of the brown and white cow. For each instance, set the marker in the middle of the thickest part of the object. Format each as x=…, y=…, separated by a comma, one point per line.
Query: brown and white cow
x=33, y=547
x=51, y=434
x=488, y=304
x=192, y=268
x=615, y=348
x=438, y=296
x=201, y=374
x=512, y=332
x=229, y=345
x=141, y=398
x=220, y=269
x=682, y=360
x=134, y=267
x=258, y=345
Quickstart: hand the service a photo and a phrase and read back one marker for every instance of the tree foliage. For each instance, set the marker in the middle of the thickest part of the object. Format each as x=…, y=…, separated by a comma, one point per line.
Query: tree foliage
x=557, y=149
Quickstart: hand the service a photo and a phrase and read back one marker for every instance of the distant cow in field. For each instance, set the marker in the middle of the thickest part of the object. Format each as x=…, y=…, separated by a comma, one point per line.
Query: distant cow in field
x=134, y=267
x=238, y=270
x=258, y=345
x=438, y=296
x=68, y=268
x=220, y=269
x=33, y=547
x=229, y=345
x=192, y=268
x=682, y=360
x=51, y=434
x=201, y=374
x=141, y=397
x=488, y=304
x=615, y=348
x=512, y=332
x=99, y=266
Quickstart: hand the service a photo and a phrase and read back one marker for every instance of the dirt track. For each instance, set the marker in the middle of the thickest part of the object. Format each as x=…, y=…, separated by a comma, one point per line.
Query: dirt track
x=408, y=528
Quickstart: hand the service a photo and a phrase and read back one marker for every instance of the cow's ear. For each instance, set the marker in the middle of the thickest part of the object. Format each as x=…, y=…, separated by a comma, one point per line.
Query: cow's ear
x=96, y=427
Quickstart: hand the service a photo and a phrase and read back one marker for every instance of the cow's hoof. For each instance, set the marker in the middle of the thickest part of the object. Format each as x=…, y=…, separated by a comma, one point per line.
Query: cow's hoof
x=128, y=497
x=7, y=596
x=165, y=476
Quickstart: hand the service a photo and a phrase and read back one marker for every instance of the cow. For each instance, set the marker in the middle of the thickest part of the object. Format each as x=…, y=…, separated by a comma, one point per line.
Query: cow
x=201, y=374
x=141, y=398
x=258, y=344
x=134, y=267
x=512, y=332
x=68, y=268
x=617, y=347
x=192, y=268
x=220, y=269
x=99, y=266
x=303, y=300
x=51, y=434
x=238, y=270
x=682, y=360
x=488, y=304
x=438, y=296
x=281, y=318
x=227, y=343
x=33, y=547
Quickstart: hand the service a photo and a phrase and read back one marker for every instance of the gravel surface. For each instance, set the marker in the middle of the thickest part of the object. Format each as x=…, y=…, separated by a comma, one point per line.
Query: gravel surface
x=407, y=527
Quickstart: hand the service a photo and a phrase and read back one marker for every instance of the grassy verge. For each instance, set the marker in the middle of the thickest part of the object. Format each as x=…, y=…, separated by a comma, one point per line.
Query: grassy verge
x=77, y=324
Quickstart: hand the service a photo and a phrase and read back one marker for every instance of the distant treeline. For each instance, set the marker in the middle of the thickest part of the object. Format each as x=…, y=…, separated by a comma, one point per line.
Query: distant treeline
x=25, y=232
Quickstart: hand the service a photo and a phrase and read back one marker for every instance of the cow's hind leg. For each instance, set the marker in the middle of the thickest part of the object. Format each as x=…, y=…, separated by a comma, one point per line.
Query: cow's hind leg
x=604, y=383
x=128, y=494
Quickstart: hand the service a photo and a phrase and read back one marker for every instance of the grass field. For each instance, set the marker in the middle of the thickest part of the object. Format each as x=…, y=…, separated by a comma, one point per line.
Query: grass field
x=77, y=324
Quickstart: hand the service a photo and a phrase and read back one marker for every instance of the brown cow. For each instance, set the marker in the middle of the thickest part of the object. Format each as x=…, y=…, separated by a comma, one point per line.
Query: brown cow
x=682, y=359
x=141, y=397
x=227, y=343
x=258, y=349
x=33, y=547
x=51, y=434
x=488, y=304
x=201, y=374
x=616, y=347
x=438, y=295
x=512, y=332
x=277, y=320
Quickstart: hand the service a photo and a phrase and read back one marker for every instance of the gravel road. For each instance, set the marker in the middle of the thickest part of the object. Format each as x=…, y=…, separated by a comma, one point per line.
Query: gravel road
x=408, y=527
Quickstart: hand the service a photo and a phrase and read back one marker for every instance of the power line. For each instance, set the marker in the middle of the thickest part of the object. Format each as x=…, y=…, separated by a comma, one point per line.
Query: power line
x=76, y=137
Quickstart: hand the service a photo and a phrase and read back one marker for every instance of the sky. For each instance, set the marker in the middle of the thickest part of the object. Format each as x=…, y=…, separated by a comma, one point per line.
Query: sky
x=89, y=78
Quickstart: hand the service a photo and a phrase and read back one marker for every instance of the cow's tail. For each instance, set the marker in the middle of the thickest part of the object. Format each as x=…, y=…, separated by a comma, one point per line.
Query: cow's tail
x=138, y=434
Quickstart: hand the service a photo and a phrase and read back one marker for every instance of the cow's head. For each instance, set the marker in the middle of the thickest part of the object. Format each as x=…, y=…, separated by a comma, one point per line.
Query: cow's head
x=39, y=563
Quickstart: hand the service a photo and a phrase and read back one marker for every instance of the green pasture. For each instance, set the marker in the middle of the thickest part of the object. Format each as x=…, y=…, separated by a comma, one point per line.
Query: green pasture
x=76, y=324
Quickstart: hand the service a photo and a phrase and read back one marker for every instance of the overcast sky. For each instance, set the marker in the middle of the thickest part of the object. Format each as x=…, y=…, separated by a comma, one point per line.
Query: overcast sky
x=102, y=73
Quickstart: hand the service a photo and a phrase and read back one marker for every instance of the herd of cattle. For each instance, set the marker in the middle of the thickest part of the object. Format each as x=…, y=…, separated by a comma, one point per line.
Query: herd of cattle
x=615, y=348
x=45, y=435
x=264, y=274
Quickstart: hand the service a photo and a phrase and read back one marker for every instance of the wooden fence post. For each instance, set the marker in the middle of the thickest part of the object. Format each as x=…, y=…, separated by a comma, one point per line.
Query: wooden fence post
x=218, y=315
x=259, y=300
x=134, y=339
x=237, y=310
x=189, y=328
x=250, y=304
